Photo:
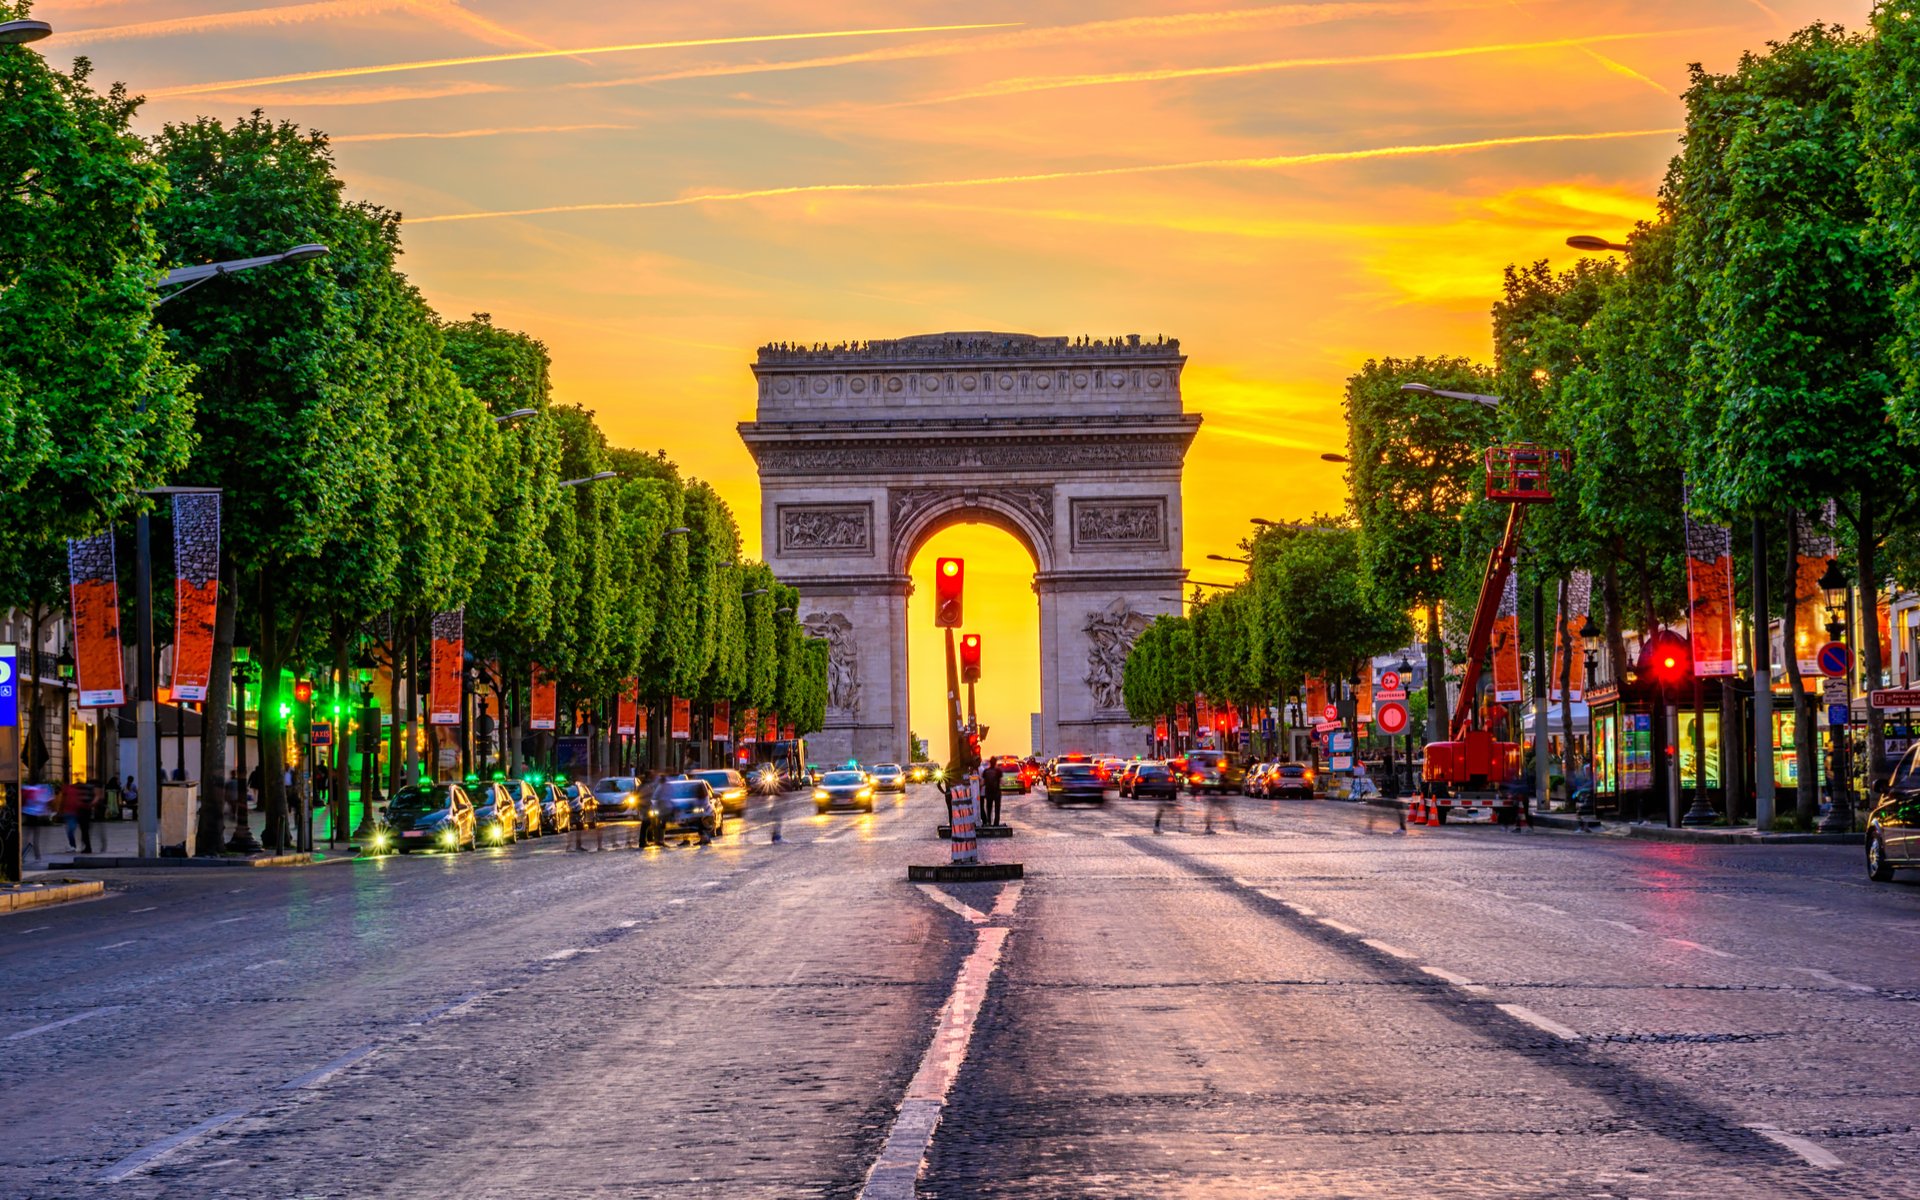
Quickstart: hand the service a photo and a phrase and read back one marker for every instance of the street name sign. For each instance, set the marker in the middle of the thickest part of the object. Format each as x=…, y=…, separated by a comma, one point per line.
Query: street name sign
x=1895, y=697
x=1328, y=726
x=1390, y=694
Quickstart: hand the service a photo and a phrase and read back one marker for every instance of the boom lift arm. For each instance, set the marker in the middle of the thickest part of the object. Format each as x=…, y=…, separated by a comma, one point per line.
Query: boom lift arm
x=1492, y=587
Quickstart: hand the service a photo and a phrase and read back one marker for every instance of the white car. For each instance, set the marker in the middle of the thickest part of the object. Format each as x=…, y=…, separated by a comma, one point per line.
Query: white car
x=889, y=777
x=618, y=797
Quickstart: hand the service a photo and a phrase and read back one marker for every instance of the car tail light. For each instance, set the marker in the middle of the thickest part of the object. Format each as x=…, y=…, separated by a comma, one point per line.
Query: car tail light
x=1198, y=779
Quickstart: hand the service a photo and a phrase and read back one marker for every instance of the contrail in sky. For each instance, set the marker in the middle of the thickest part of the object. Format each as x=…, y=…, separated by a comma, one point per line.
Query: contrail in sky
x=287, y=14
x=468, y=133
x=1212, y=164
x=194, y=89
x=1013, y=87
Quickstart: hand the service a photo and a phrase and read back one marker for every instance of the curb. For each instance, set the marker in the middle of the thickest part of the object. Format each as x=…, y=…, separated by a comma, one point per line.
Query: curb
x=982, y=831
x=1742, y=837
x=33, y=895
x=102, y=862
x=965, y=873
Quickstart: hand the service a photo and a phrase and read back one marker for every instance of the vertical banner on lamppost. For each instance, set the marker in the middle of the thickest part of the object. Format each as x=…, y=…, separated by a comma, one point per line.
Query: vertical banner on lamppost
x=93, y=580
x=788, y=733
x=722, y=721
x=1710, y=597
x=1809, y=601
x=196, y=591
x=750, y=727
x=773, y=727
x=1506, y=644
x=1316, y=698
x=449, y=649
x=543, y=713
x=1363, y=699
x=682, y=718
x=627, y=712
x=1569, y=652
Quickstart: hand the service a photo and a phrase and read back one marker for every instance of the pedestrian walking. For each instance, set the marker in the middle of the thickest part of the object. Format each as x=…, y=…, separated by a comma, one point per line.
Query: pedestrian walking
x=36, y=809
x=1219, y=802
x=1170, y=801
x=77, y=807
x=257, y=787
x=990, y=780
x=130, y=800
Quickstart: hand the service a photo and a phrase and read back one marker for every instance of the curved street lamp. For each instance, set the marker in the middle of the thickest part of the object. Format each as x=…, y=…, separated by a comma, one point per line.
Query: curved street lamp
x=1334, y=458
x=594, y=478
x=1425, y=389
x=19, y=33
x=185, y=279
x=1586, y=241
x=515, y=415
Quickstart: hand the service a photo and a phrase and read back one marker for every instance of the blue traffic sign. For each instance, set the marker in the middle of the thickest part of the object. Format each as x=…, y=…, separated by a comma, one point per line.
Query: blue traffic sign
x=1835, y=659
x=9, y=687
x=1839, y=714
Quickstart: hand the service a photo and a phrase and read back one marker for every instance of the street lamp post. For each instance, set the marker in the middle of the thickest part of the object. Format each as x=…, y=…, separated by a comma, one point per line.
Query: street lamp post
x=1590, y=644
x=369, y=748
x=242, y=841
x=1839, y=597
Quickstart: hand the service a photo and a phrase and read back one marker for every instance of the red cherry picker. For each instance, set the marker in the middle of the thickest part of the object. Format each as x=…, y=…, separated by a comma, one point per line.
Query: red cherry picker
x=1464, y=775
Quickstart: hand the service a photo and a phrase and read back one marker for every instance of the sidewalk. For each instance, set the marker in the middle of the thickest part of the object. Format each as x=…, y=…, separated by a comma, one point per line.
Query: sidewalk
x=1708, y=835
x=116, y=845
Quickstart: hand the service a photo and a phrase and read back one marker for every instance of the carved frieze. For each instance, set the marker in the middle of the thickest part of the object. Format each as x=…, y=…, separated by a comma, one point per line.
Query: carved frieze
x=898, y=458
x=843, y=658
x=1110, y=635
x=1131, y=523
x=823, y=530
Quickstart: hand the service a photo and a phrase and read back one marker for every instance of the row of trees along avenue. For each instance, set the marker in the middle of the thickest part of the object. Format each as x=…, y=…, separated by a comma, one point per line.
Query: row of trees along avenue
x=366, y=482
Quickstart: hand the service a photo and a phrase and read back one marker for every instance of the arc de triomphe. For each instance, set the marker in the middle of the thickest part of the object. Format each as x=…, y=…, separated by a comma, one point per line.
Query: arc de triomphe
x=1075, y=447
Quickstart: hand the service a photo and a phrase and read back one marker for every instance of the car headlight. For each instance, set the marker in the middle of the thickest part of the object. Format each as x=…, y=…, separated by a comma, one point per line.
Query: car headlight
x=380, y=841
x=446, y=835
x=820, y=794
x=865, y=792
x=631, y=802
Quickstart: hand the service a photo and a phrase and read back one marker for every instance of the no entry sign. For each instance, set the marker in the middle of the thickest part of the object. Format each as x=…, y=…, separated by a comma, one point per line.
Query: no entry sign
x=1391, y=717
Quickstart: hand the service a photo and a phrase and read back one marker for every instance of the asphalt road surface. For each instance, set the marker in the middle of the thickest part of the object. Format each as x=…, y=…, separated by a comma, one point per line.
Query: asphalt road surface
x=1312, y=1005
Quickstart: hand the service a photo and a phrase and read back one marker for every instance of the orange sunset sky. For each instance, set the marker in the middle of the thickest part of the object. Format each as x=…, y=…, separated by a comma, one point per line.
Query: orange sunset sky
x=654, y=189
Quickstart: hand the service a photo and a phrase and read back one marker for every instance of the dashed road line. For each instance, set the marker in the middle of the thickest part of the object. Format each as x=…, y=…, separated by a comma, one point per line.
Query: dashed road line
x=326, y=1071
x=1338, y=927
x=1388, y=948
x=1620, y=925
x=451, y=1008
x=145, y=1157
x=1702, y=949
x=1544, y=1024
x=1830, y=977
x=37, y=929
x=261, y=966
x=148, y=908
x=1812, y=1155
x=63, y=1022
x=1459, y=981
x=117, y=945
x=229, y=920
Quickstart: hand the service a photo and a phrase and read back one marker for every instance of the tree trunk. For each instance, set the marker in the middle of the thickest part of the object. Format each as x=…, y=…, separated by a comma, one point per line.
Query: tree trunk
x=1868, y=638
x=34, y=745
x=510, y=702
x=1560, y=615
x=1806, y=791
x=1616, y=625
x=397, y=754
x=413, y=706
x=340, y=824
x=213, y=719
x=272, y=734
x=1439, y=715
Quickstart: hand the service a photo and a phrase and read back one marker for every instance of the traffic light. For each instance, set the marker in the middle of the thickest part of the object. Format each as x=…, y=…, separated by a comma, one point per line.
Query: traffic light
x=303, y=691
x=1668, y=659
x=949, y=580
x=970, y=658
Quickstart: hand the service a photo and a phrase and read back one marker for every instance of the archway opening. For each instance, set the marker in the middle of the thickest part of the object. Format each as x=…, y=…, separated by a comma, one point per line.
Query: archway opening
x=1002, y=609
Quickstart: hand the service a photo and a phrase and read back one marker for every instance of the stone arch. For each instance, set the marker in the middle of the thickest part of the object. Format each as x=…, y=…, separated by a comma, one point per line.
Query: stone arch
x=916, y=514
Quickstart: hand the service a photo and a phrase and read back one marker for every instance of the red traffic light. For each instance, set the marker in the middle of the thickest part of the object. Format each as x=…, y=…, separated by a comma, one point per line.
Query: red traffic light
x=949, y=581
x=1668, y=659
x=303, y=691
x=970, y=658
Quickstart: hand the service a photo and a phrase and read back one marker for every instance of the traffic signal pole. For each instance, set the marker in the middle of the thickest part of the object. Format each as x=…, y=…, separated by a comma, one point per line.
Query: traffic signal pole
x=954, y=741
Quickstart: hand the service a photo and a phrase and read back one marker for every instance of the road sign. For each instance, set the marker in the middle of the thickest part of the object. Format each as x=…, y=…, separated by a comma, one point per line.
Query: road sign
x=1331, y=712
x=1838, y=714
x=1340, y=743
x=322, y=734
x=1390, y=694
x=1328, y=726
x=9, y=686
x=1389, y=680
x=1391, y=717
x=1835, y=691
x=1835, y=659
x=1343, y=762
x=1896, y=697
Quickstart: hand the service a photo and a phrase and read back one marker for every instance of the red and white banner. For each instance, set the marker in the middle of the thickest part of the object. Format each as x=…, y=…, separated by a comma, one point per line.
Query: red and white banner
x=1710, y=597
x=1506, y=644
x=626, y=713
x=1569, y=652
x=1363, y=699
x=787, y=732
x=196, y=591
x=449, y=650
x=1316, y=696
x=750, y=727
x=94, y=584
x=722, y=721
x=544, y=710
x=682, y=718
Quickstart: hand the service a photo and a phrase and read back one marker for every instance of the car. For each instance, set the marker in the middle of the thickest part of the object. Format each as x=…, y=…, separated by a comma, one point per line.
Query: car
x=526, y=801
x=1288, y=779
x=1893, y=825
x=1013, y=775
x=496, y=817
x=1150, y=780
x=617, y=797
x=922, y=772
x=889, y=777
x=814, y=773
x=556, y=809
x=1215, y=771
x=431, y=816
x=843, y=789
x=728, y=784
x=1076, y=782
x=1255, y=783
x=1126, y=773
x=683, y=804
x=586, y=809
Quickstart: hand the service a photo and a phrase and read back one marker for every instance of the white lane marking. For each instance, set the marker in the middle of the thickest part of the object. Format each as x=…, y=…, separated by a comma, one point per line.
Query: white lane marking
x=894, y=1172
x=626, y=925
x=964, y=910
x=37, y=929
x=1297, y=907
x=63, y=1022
x=117, y=945
x=326, y=1071
x=1388, y=948
x=1448, y=976
x=1620, y=925
x=1337, y=927
x=1547, y=908
x=1004, y=902
x=1813, y=1155
x=260, y=966
x=452, y=1008
x=1545, y=1024
x=1830, y=977
x=678, y=900
x=571, y=952
x=149, y=908
x=1702, y=949
x=143, y=1158
x=712, y=883
x=229, y=920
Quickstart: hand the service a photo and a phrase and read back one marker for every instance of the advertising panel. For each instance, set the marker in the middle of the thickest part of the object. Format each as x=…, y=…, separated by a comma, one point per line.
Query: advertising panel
x=449, y=649
x=94, y=582
x=196, y=591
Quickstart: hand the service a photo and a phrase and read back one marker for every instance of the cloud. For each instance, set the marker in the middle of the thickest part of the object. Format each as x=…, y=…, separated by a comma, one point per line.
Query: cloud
x=1272, y=162
x=469, y=133
x=1011, y=87
x=347, y=96
x=196, y=89
x=250, y=18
